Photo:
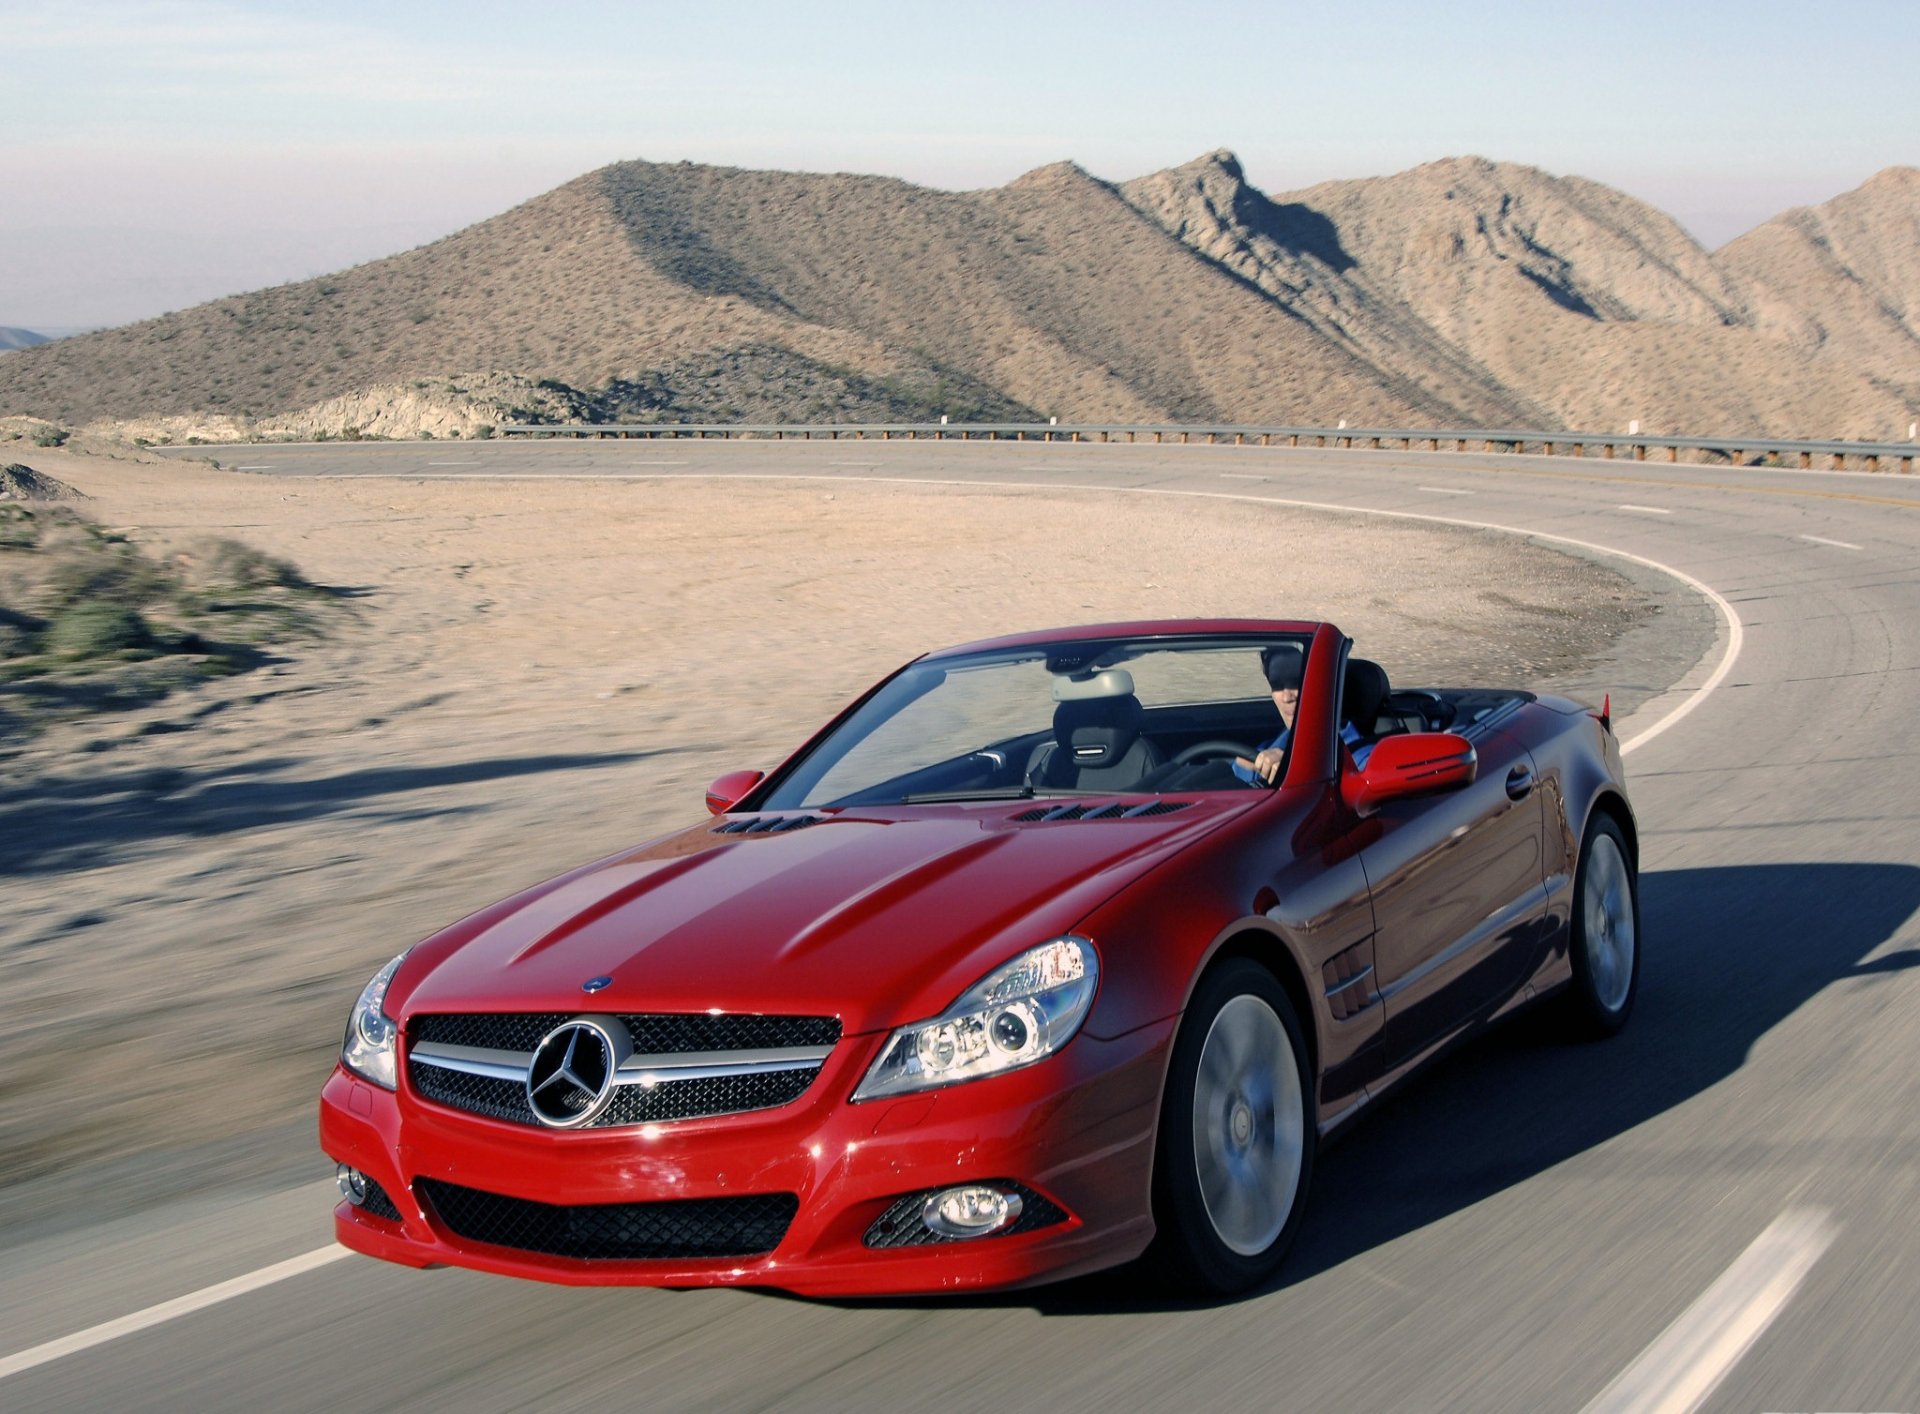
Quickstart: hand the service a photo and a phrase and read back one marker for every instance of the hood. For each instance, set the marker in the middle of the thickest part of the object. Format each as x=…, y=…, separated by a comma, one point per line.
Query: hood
x=879, y=917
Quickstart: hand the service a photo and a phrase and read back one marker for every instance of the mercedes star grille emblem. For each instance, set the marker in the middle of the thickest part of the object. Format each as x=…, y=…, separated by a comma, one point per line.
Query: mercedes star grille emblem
x=570, y=1078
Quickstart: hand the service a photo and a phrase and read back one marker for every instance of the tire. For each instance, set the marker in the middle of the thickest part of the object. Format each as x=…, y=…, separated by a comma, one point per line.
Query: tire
x=1605, y=932
x=1237, y=1134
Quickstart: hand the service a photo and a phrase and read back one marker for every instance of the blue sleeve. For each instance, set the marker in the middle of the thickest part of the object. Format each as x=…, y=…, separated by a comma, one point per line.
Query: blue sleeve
x=1246, y=773
x=1358, y=745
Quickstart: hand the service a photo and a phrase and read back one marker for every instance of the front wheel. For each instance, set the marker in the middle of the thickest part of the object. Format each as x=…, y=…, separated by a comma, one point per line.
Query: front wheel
x=1606, y=932
x=1237, y=1133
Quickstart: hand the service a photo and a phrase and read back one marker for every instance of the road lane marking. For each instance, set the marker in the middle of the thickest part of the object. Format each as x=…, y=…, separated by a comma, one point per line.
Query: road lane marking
x=1837, y=544
x=1648, y=510
x=1689, y=1359
x=264, y=466
x=1243, y=476
x=1443, y=490
x=474, y=462
x=169, y=1310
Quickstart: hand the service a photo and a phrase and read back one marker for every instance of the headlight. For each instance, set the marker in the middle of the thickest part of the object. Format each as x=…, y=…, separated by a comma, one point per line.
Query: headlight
x=372, y=1035
x=1022, y=1013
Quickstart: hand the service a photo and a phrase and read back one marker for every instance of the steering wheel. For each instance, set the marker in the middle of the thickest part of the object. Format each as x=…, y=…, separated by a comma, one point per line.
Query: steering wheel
x=1207, y=750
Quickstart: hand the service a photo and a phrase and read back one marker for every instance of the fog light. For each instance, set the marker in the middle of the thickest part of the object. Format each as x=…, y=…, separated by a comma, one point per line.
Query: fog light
x=353, y=1184
x=974, y=1211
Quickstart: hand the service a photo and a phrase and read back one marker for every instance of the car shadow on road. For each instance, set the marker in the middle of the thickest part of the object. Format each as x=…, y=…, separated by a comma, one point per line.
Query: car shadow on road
x=54, y=823
x=1730, y=954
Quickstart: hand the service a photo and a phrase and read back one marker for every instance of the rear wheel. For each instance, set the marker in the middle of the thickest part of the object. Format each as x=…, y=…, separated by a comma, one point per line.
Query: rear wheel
x=1237, y=1134
x=1605, y=932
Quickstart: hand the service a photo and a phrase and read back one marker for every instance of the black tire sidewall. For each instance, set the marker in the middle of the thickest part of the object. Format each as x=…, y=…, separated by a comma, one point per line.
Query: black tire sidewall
x=1585, y=996
x=1187, y=1246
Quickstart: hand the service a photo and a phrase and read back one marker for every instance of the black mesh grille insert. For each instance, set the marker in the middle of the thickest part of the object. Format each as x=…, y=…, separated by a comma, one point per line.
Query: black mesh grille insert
x=378, y=1204
x=653, y=1032
x=476, y=1094
x=685, y=1228
x=900, y=1225
x=690, y=1099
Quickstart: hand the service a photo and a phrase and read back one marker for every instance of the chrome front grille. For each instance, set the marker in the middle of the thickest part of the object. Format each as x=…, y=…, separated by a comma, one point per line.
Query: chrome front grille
x=682, y=1066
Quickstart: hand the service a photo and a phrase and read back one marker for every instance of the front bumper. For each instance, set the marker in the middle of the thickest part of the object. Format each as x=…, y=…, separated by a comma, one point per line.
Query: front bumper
x=1077, y=1128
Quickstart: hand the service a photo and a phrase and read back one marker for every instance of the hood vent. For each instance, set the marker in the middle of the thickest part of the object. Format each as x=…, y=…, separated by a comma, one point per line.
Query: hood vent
x=1113, y=810
x=768, y=824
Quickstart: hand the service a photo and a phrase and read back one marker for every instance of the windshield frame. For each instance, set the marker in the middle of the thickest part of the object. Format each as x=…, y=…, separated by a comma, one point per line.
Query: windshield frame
x=807, y=766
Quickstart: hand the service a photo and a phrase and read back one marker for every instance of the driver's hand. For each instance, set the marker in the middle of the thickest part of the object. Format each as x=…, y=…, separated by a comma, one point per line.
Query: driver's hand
x=1266, y=765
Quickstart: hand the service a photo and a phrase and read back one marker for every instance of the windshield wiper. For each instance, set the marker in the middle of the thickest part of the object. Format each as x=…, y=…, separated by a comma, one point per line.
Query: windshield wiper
x=933, y=796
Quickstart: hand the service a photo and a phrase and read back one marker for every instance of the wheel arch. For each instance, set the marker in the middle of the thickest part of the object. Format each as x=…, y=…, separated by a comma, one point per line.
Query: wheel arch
x=1265, y=945
x=1612, y=804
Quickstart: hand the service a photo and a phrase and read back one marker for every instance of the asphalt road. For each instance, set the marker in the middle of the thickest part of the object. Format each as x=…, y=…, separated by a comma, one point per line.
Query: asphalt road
x=1728, y=1188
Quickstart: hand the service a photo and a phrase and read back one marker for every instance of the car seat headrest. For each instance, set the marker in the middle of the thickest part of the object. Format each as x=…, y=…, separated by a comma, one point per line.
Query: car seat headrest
x=1364, y=694
x=1097, y=731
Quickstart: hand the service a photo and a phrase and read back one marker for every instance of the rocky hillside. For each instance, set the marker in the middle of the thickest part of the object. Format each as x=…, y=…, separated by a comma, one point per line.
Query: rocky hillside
x=1564, y=302
x=1463, y=293
x=1842, y=281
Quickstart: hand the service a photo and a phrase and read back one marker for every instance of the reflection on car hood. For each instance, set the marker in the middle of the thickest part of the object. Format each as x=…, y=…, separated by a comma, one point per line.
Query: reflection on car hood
x=878, y=916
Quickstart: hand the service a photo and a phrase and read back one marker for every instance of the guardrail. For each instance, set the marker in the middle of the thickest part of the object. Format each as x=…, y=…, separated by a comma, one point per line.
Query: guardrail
x=1636, y=445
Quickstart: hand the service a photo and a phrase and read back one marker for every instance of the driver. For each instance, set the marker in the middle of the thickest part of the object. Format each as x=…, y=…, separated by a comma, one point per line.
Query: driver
x=1284, y=665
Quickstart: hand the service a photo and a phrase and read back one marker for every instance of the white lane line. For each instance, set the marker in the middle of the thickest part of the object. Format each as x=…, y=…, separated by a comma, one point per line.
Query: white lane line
x=1837, y=544
x=1648, y=510
x=1443, y=490
x=1682, y=1367
x=168, y=1310
x=465, y=463
x=1242, y=476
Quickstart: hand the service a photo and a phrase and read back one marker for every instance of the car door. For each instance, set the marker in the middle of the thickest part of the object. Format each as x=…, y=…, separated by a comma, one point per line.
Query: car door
x=1458, y=897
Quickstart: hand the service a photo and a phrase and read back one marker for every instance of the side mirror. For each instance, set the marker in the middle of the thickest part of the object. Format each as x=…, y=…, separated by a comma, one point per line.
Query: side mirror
x=730, y=790
x=1417, y=763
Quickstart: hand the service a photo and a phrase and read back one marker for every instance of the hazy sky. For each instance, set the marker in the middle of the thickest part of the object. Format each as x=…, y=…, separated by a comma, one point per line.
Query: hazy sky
x=156, y=154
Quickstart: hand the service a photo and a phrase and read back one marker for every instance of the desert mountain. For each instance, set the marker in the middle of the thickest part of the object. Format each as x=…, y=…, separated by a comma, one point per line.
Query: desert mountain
x=1569, y=304
x=19, y=338
x=1461, y=293
x=1842, y=280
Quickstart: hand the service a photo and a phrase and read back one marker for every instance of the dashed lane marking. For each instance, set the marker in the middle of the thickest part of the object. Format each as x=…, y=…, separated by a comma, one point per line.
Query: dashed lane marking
x=1443, y=490
x=1684, y=1365
x=168, y=1310
x=1837, y=544
x=1648, y=510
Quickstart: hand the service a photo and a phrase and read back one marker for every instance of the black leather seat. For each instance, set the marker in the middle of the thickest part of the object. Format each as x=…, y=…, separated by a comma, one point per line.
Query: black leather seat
x=1096, y=746
x=1363, y=695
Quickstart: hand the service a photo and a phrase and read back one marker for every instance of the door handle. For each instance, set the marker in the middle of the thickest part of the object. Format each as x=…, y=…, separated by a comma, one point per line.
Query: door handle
x=1519, y=782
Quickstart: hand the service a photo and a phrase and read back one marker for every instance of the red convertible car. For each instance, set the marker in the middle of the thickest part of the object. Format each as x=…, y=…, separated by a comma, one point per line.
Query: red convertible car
x=1045, y=952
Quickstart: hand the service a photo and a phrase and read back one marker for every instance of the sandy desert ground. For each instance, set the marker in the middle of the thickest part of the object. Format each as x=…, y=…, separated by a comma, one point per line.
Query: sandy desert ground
x=532, y=674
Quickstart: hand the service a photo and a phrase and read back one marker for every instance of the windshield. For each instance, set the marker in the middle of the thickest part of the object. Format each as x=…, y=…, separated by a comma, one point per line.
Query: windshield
x=1109, y=717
